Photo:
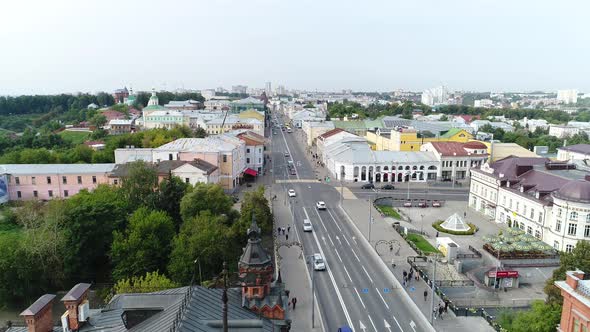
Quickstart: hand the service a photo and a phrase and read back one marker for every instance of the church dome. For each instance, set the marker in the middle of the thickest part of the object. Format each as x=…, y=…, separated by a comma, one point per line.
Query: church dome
x=576, y=191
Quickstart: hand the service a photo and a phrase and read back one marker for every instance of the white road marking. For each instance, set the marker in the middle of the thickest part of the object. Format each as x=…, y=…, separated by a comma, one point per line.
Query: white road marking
x=290, y=154
x=354, y=239
x=359, y=296
x=387, y=326
x=413, y=325
x=345, y=270
x=329, y=237
x=337, y=254
x=370, y=319
x=362, y=326
x=357, y=257
x=324, y=239
x=367, y=273
x=400, y=327
x=346, y=314
x=345, y=239
x=381, y=296
x=335, y=222
x=338, y=239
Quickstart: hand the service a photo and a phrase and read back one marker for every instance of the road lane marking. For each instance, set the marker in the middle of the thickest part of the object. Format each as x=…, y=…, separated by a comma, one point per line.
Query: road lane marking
x=290, y=154
x=360, y=299
x=344, y=309
x=354, y=239
x=337, y=254
x=387, y=326
x=345, y=270
x=370, y=319
x=324, y=239
x=355, y=255
x=338, y=239
x=335, y=222
x=329, y=237
x=345, y=239
x=381, y=296
x=367, y=273
x=413, y=325
x=400, y=327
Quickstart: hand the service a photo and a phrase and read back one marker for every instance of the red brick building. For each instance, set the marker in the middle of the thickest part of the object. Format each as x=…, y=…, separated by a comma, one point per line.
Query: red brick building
x=575, y=315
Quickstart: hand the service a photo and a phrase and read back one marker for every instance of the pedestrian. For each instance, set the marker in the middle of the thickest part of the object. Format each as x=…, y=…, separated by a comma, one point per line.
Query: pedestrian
x=464, y=214
x=294, y=301
x=405, y=274
x=278, y=231
x=440, y=311
x=437, y=234
x=283, y=230
x=287, y=237
x=417, y=276
x=425, y=295
x=446, y=305
x=288, y=228
x=434, y=313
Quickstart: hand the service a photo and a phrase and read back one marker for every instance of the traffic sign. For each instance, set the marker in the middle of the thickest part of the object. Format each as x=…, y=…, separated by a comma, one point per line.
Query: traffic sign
x=386, y=290
x=365, y=290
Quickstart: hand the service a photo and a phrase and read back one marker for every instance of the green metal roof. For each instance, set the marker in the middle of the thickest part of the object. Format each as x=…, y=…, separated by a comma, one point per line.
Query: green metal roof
x=451, y=132
x=154, y=108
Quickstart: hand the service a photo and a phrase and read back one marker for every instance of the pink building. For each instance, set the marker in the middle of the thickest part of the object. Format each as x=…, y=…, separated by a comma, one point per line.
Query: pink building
x=47, y=181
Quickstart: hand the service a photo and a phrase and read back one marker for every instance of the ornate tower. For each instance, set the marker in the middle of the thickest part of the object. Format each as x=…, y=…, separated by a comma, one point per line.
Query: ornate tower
x=153, y=99
x=255, y=266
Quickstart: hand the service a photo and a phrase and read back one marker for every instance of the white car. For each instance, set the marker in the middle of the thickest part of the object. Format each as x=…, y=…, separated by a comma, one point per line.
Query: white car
x=307, y=225
x=292, y=193
x=320, y=205
x=318, y=262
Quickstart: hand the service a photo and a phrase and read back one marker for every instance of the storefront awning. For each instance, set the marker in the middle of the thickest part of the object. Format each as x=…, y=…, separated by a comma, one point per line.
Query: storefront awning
x=250, y=171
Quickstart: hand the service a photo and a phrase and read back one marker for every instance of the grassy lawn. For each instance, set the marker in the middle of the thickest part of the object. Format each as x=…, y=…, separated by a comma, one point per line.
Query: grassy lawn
x=76, y=137
x=389, y=211
x=421, y=243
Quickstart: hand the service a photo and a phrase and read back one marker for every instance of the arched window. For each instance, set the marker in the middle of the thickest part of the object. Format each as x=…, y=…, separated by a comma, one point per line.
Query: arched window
x=573, y=215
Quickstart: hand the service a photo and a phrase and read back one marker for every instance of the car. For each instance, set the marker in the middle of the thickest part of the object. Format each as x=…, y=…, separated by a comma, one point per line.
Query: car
x=422, y=204
x=318, y=262
x=388, y=187
x=344, y=329
x=307, y=225
x=320, y=205
x=407, y=204
x=292, y=171
x=368, y=186
x=289, y=130
x=436, y=204
x=286, y=154
x=274, y=132
x=292, y=193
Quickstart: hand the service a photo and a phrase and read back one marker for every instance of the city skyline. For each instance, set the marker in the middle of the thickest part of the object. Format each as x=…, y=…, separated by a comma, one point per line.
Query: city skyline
x=68, y=46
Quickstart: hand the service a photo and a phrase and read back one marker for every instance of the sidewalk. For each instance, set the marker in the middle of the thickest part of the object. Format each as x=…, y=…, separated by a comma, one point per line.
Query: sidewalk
x=382, y=229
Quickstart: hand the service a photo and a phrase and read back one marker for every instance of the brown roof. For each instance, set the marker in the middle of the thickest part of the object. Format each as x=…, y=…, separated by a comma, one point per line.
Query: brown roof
x=450, y=148
x=579, y=148
x=577, y=190
x=41, y=303
x=475, y=145
x=511, y=167
x=251, y=136
x=330, y=133
x=76, y=292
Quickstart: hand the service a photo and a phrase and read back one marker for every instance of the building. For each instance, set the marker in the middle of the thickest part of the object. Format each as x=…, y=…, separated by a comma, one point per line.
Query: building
x=567, y=96
x=406, y=138
x=217, y=104
x=485, y=103
x=240, y=89
x=118, y=127
x=163, y=119
x=576, y=302
x=477, y=124
x=533, y=124
x=498, y=151
x=259, y=304
x=457, y=159
x=268, y=88
x=435, y=96
x=563, y=131
x=241, y=105
x=120, y=95
x=184, y=105
x=191, y=172
x=48, y=181
x=313, y=129
x=574, y=152
x=254, y=152
x=326, y=139
x=222, y=124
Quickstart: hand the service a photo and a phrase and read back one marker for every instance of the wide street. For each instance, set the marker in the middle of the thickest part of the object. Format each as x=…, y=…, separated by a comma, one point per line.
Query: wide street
x=357, y=288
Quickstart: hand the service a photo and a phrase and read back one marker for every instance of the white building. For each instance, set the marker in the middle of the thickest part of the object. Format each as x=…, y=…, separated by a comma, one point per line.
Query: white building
x=457, y=159
x=313, y=129
x=574, y=152
x=435, y=96
x=561, y=131
x=486, y=103
x=567, y=96
x=533, y=124
x=217, y=104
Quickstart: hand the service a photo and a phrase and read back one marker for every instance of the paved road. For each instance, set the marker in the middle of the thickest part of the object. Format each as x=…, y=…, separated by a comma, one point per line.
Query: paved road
x=356, y=289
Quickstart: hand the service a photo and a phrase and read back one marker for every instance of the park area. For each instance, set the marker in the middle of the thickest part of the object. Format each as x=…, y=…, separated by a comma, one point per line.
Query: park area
x=389, y=211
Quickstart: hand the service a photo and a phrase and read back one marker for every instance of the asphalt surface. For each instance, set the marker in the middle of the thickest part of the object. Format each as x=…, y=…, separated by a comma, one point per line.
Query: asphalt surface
x=353, y=290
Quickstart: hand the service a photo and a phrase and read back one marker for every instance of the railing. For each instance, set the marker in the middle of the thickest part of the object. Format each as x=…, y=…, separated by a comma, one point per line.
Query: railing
x=454, y=283
x=492, y=303
x=475, y=251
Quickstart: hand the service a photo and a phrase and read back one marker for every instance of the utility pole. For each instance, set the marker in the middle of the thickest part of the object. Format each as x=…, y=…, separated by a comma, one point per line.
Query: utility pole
x=370, y=216
x=433, y=290
x=309, y=258
x=224, y=298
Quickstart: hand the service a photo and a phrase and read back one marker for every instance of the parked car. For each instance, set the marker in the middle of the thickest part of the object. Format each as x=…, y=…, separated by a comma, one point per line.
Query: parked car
x=289, y=130
x=307, y=225
x=320, y=205
x=436, y=204
x=292, y=193
x=368, y=186
x=286, y=154
x=388, y=187
x=292, y=171
x=422, y=204
x=318, y=262
x=407, y=204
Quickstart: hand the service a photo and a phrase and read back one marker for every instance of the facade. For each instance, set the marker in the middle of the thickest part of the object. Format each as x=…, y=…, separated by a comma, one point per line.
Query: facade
x=576, y=302
x=241, y=105
x=457, y=159
x=406, y=138
x=326, y=139
x=48, y=181
x=217, y=104
x=163, y=119
x=254, y=150
x=435, y=96
x=567, y=96
x=118, y=127
x=184, y=105
x=220, y=125
x=574, y=152
x=120, y=95
x=190, y=172
x=485, y=103
x=561, y=131
x=313, y=129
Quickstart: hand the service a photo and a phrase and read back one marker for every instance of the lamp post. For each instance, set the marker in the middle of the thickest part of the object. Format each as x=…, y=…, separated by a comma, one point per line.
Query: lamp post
x=370, y=216
x=433, y=289
x=409, y=176
x=497, y=266
x=309, y=260
x=342, y=175
x=198, y=261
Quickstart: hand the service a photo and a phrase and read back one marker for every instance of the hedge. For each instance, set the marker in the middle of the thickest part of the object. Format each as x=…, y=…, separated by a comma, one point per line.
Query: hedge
x=471, y=231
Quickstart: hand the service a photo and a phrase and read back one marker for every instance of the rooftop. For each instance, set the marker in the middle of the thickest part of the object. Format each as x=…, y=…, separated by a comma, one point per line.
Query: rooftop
x=55, y=169
x=579, y=148
x=208, y=144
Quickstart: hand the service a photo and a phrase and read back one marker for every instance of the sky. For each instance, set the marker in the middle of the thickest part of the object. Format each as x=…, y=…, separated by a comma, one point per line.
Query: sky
x=327, y=45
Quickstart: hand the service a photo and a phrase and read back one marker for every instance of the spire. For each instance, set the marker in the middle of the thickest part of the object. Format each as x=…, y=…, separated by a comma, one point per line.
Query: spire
x=279, y=278
x=254, y=230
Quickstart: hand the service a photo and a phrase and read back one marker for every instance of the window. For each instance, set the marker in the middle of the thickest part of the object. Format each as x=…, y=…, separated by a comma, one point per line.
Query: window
x=540, y=217
x=49, y=180
x=587, y=231
x=558, y=225
x=94, y=179
x=66, y=193
x=247, y=160
x=517, y=204
x=187, y=180
x=556, y=245
x=170, y=157
x=573, y=215
x=572, y=228
x=532, y=213
x=35, y=193
x=79, y=180
x=64, y=179
x=224, y=158
x=569, y=248
x=588, y=217
x=50, y=193
x=33, y=180
x=115, y=181
x=538, y=234
x=18, y=194
x=529, y=230
x=559, y=212
x=17, y=181
x=510, y=206
x=576, y=327
x=247, y=150
x=503, y=200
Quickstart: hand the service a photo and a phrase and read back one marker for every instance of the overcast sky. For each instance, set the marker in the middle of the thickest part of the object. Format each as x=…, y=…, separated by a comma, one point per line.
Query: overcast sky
x=364, y=45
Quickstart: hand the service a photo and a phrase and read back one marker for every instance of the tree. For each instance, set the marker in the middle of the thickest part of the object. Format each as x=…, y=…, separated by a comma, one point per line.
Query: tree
x=254, y=204
x=444, y=118
x=98, y=120
x=203, y=197
x=138, y=186
x=200, y=133
x=171, y=191
x=578, y=259
x=542, y=317
x=205, y=237
x=151, y=282
x=144, y=246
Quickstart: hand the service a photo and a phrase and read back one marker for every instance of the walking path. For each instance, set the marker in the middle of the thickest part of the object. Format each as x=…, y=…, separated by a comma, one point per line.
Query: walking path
x=382, y=229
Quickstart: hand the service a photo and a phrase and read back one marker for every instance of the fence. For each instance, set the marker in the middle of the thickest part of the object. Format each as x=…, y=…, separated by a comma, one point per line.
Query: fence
x=454, y=283
x=478, y=312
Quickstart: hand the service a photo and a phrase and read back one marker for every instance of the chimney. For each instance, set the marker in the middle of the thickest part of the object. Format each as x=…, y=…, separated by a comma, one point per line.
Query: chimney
x=38, y=316
x=72, y=300
x=571, y=278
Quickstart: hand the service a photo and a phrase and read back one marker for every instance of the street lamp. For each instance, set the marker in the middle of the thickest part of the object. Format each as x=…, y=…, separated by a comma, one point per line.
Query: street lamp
x=370, y=216
x=433, y=289
x=310, y=261
x=342, y=175
x=198, y=261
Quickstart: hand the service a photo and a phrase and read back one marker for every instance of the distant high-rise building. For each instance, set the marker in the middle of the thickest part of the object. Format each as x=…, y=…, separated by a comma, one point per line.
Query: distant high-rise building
x=281, y=90
x=268, y=88
x=567, y=96
x=239, y=89
x=435, y=96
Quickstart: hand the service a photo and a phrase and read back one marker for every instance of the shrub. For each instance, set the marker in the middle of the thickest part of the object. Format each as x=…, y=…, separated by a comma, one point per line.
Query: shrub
x=471, y=231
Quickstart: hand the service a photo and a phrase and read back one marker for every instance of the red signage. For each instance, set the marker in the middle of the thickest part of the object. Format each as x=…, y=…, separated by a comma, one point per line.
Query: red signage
x=504, y=274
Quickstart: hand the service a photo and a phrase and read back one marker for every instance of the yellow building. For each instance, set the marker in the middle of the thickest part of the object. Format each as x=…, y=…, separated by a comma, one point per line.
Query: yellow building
x=406, y=139
x=252, y=114
x=499, y=151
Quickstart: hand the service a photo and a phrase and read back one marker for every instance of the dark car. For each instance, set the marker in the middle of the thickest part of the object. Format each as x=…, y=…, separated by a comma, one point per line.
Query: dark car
x=388, y=187
x=293, y=171
x=368, y=186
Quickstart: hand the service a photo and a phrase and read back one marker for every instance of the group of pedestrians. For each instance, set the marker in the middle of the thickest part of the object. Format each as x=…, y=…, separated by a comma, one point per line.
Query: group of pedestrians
x=284, y=231
x=408, y=277
x=443, y=307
